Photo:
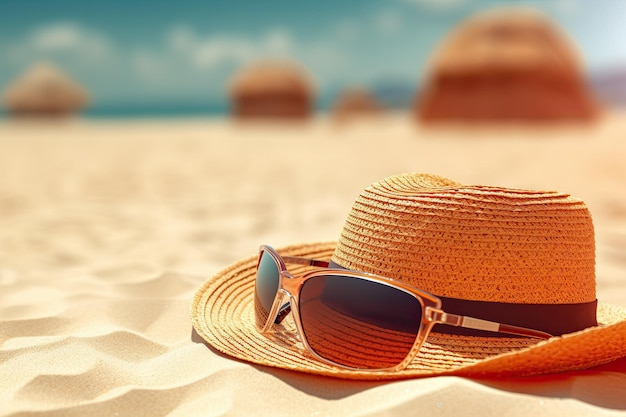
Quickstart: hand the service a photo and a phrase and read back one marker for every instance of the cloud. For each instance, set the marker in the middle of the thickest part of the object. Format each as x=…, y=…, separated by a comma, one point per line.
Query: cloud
x=210, y=52
x=148, y=66
x=214, y=52
x=279, y=41
x=63, y=40
x=437, y=5
x=566, y=7
x=389, y=23
x=189, y=57
x=347, y=31
x=180, y=38
x=202, y=63
x=185, y=61
x=186, y=53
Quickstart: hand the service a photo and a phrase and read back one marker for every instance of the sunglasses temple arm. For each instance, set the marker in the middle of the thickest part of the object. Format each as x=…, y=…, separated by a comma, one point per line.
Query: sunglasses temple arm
x=439, y=316
x=305, y=261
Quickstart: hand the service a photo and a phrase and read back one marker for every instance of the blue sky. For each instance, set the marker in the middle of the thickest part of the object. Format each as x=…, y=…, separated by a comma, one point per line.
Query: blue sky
x=140, y=52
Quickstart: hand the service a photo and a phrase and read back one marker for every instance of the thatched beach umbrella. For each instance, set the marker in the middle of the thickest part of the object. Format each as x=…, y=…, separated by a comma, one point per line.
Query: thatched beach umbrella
x=356, y=103
x=505, y=64
x=44, y=90
x=272, y=89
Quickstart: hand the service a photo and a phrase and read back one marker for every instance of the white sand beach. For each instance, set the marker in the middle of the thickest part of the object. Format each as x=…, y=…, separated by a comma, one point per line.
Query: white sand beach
x=108, y=228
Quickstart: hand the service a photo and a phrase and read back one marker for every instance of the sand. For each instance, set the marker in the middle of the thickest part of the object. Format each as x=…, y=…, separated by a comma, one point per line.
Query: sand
x=107, y=229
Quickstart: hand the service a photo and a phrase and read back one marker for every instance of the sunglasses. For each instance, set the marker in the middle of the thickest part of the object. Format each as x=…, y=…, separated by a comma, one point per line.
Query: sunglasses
x=352, y=319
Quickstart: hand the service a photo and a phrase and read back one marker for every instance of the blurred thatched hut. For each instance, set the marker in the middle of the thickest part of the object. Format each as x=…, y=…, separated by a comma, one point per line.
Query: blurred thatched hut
x=273, y=89
x=43, y=90
x=356, y=103
x=505, y=64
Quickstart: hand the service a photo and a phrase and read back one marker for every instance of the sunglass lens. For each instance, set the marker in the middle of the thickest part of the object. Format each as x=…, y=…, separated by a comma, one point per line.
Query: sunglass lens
x=266, y=287
x=359, y=323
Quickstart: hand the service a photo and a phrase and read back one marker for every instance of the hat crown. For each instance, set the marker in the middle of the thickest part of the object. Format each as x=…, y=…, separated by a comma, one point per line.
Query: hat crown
x=472, y=242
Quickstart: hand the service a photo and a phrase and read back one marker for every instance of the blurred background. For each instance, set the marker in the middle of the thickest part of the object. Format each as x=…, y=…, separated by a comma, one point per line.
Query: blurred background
x=159, y=58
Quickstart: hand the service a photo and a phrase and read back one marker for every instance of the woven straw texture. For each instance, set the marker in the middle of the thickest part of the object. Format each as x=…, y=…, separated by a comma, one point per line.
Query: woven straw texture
x=467, y=242
x=223, y=315
x=472, y=242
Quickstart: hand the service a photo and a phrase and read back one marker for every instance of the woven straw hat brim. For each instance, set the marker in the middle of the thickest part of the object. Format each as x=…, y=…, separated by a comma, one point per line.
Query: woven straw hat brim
x=223, y=314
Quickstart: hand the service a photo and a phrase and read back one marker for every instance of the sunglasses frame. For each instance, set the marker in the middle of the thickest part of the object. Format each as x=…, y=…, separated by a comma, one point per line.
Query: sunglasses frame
x=287, y=299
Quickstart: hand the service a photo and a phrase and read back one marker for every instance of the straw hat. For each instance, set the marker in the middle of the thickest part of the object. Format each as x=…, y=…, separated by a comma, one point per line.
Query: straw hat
x=516, y=250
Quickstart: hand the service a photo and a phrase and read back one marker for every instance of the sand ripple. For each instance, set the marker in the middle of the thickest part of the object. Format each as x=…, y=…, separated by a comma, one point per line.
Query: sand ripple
x=107, y=230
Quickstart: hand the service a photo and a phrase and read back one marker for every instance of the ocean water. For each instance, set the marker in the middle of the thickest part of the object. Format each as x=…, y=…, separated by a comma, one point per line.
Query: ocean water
x=156, y=111
x=393, y=97
x=159, y=111
x=150, y=111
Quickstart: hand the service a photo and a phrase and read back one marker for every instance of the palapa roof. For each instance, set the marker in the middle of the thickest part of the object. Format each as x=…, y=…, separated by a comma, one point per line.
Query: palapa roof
x=271, y=77
x=505, y=39
x=506, y=63
x=356, y=99
x=44, y=89
x=356, y=102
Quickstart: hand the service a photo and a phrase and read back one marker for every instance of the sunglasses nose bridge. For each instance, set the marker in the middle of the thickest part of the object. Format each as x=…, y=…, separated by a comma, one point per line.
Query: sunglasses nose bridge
x=289, y=285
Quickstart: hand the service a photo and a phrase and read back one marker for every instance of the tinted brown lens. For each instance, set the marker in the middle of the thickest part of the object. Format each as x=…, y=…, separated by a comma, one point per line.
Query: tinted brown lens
x=266, y=287
x=359, y=323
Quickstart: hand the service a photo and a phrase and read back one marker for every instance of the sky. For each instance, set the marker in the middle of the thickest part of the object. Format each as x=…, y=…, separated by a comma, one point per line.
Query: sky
x=140, y=52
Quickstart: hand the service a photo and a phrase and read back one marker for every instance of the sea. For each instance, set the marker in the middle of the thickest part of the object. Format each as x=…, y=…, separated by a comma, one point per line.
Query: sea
x=160, y=111
x=393, y=96
x=150, y=111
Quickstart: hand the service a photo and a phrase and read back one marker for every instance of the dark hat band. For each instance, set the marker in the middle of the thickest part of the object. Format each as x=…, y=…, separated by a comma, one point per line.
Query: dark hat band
x=556, y=319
